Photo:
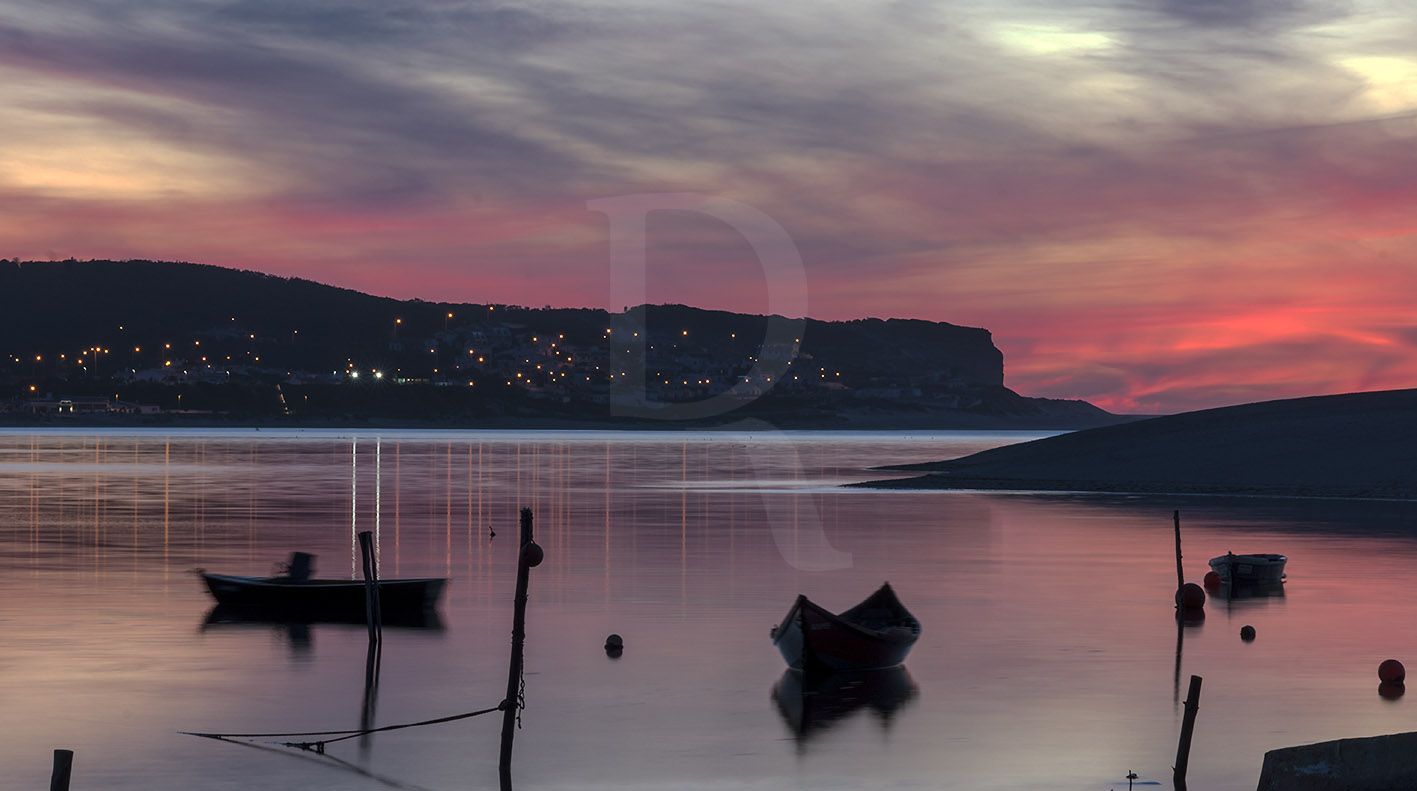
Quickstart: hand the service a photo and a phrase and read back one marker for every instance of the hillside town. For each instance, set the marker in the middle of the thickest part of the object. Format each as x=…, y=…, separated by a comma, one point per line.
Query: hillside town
x=649, y=365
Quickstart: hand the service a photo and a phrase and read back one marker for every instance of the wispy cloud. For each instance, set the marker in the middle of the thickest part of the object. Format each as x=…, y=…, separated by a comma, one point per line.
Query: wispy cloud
x=1105, y=186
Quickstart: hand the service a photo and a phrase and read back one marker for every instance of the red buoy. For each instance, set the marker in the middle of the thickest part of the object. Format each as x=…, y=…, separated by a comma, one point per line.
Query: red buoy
x=1211, y=580
x=1190, y=597
x=533, y=554
x=1391, y=671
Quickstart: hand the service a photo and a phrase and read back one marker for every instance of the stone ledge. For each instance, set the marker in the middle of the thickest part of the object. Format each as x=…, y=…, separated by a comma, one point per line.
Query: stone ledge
x=1378, y=763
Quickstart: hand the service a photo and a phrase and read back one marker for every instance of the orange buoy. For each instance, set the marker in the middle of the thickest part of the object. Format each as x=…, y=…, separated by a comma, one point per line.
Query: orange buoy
x=1190, y=597
x=1211, y=580
x=1391, y=671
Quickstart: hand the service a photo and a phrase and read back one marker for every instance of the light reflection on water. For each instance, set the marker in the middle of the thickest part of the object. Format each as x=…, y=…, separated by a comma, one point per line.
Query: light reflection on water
x=1049, y=656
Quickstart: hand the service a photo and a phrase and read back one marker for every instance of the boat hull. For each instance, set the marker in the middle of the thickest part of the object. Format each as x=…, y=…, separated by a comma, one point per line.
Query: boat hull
x=328, y=598
x=812, y=638
x=1249, y=568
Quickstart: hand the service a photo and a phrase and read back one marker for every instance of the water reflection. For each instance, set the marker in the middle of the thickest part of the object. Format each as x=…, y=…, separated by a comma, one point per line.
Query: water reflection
x=184, y=499
x=372, y=662
x=1251, y=591
x=812, y=704
x=224, y=615
x=1054, y=612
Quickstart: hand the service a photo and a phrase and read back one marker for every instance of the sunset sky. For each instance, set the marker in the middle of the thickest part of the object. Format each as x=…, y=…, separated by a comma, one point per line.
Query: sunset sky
x=1155, y=205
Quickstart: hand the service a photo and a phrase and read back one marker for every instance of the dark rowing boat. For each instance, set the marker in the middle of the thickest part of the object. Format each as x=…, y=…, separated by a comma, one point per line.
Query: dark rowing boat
x=297, y=593
x=874, y=634
x=328, y=597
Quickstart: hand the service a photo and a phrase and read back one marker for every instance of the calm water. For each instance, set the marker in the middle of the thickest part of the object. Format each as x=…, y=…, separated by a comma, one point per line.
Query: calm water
x=1050, y=656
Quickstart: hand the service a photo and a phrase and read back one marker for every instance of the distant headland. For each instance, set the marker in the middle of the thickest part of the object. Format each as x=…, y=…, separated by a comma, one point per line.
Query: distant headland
x=159, y=343
x=1358, y=445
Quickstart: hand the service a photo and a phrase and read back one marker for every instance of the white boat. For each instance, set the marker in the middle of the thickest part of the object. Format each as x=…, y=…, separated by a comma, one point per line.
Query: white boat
x=1234, y=568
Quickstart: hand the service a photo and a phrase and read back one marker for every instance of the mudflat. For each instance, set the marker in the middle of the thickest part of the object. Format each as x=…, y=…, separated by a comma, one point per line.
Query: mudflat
x=1352, y=445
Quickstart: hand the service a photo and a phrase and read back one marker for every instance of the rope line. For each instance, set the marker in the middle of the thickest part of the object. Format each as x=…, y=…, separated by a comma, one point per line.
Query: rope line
x=521, y=696
x=343, y=734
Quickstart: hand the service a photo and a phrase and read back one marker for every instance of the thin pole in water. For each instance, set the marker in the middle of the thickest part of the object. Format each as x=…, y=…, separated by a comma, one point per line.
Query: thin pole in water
x=63, y=767
x=1180, y=577
x=1188, y=724
x=373, y=614
x=511, y=703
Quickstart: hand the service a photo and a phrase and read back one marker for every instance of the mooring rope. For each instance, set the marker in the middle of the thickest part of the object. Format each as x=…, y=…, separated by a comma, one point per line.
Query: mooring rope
x=521, y=695
x=319, y=746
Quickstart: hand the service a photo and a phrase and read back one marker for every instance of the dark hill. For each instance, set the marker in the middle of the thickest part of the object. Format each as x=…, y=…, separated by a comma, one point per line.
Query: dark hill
x=67, y=306
x=1354, y=445
x=161, y=326
x=58, y=307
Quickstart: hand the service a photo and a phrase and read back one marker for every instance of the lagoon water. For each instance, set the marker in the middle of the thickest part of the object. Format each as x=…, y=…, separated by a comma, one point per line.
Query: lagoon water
x=1050, y=656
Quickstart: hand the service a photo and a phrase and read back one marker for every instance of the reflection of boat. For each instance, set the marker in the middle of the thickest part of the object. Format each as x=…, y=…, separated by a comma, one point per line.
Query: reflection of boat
x=1249, y=568
x=224, y=615
x=296, y=593
x=1237, y=591
x=810, y=703
x=876, y=633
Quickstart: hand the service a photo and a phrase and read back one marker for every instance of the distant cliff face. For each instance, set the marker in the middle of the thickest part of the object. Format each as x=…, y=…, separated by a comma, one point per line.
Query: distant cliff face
x=871, y=354
x=914, y=351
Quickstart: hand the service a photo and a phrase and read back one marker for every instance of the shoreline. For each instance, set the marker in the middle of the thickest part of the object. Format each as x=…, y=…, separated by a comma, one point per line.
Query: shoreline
x=1350, y=446
x=948, y=482
x=893, y=423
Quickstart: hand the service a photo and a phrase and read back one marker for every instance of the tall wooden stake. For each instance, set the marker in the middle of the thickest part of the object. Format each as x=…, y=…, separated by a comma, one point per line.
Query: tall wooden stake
x=514, y=669
x=373, y=609
x=63, y=767
x=1188, y=723
x=1180, y=577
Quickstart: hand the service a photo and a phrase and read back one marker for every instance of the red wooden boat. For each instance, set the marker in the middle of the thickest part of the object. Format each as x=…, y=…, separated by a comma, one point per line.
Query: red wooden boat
x=874, y=634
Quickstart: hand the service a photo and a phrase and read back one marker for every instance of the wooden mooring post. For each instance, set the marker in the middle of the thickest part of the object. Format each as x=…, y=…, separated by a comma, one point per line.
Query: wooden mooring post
x=1180, y=575
x=63, y=768
x=373, y=610
x=1188, y=724
x=529, y=555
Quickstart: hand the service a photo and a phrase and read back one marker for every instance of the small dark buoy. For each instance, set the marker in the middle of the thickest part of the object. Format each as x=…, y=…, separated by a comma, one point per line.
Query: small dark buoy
x=1391, y=691
x=1247, y=633
x=532, y=554
x=614, y=646
x=1211, y=580
x=1190, y=597
x=1391, y=671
